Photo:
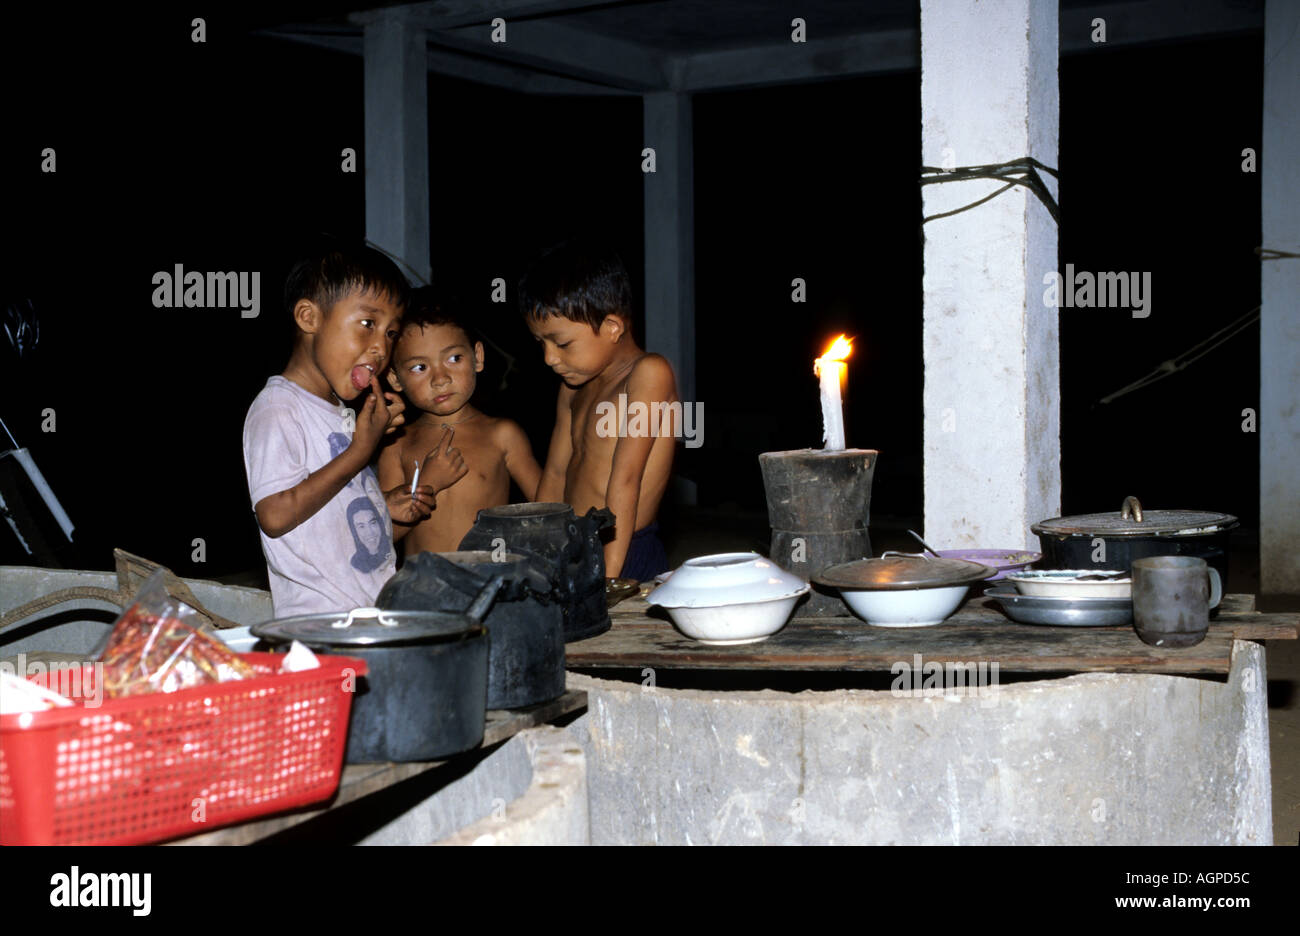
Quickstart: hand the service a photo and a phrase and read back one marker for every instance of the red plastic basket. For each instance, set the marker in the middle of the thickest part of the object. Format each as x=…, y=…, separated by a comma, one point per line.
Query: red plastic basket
x=157, y=766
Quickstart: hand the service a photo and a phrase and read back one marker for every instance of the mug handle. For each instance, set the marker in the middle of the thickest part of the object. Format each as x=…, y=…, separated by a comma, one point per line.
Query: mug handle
x=1216, y=587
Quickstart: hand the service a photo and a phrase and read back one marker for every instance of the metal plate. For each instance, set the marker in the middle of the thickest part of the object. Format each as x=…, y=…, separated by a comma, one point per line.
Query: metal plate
x=1062, y=612
x=900, y=572
x=1154, y=523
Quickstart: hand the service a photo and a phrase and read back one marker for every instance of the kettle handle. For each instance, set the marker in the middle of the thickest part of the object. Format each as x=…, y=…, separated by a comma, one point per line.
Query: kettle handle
x=483, y=600
x=1131, y=509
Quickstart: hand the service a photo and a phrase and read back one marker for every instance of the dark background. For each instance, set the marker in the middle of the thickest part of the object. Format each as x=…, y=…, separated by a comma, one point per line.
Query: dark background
x=226, y=156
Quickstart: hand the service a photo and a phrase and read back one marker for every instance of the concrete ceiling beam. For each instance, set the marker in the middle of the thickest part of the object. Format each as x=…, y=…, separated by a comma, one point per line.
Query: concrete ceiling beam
x=449, y=14
x=564, y=50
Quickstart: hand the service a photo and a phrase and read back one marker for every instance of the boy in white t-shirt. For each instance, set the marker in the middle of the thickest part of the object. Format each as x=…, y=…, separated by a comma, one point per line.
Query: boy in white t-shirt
x=326, y=527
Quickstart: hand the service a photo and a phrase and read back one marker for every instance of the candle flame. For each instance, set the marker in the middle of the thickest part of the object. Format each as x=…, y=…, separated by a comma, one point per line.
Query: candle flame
x=837, y=350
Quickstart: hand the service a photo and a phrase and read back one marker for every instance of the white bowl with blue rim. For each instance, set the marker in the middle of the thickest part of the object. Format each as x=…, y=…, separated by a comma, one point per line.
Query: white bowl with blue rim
x=1073, y=583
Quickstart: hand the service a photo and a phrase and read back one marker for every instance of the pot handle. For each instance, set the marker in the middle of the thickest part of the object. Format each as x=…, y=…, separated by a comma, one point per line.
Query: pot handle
x=1131, y=509
x=375, y=613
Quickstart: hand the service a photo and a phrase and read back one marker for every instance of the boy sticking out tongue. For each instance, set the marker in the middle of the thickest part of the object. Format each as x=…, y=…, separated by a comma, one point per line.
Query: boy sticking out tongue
x=325, y=526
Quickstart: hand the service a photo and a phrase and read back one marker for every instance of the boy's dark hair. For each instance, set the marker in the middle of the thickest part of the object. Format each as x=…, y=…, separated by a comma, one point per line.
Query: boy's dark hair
x=335, y=271
x=427, y=307
x=577, y=280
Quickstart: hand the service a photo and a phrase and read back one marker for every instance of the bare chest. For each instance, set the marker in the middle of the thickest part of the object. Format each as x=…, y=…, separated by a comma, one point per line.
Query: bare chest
x=595, y=423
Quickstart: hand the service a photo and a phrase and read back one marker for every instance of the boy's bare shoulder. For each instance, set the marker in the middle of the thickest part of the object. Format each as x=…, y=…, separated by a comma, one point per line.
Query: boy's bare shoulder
x=502, y=431
x=652, y=372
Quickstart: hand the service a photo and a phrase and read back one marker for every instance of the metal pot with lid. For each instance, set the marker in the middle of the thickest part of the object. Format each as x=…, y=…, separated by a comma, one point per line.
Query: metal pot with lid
x=1115, y=540
x=425, y=696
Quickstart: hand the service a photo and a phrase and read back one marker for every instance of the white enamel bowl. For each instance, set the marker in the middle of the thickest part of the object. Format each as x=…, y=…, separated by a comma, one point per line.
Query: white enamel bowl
x=729, y=598
x=913, y=607
x=737, y=623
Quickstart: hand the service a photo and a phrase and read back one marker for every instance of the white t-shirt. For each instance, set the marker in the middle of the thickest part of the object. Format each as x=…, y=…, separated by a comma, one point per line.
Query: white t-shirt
x=341, y=557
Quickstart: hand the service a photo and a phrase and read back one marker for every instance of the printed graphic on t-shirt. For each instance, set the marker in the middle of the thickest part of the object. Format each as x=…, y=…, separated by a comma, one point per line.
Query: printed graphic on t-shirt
x=370, y=485
x=364, y=517
x=368, y=535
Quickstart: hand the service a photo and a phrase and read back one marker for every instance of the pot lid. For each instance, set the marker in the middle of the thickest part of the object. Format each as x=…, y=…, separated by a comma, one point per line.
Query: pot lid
x=1132, y=520
x=369, y=627
x=902, y=572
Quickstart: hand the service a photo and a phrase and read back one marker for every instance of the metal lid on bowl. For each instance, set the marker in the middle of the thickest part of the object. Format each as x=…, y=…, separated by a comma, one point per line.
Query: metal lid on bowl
x=1132, y=520
x=369, y=627
x=902, y=572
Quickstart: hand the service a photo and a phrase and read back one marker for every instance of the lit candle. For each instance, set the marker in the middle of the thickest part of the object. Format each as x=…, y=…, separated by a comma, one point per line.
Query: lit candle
x=831, y=369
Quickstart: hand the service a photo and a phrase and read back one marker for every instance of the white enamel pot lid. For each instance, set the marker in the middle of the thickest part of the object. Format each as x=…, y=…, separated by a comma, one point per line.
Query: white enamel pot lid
x=726, y=579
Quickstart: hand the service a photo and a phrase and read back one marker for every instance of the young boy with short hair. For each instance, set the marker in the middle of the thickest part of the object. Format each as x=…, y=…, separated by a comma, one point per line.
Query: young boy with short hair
x=435, y=363
x=577, y=299
x=325, y=526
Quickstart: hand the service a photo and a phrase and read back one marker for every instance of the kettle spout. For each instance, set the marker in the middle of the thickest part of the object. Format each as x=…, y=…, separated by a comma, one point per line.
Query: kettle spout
x=600, y=518
x=483, y=600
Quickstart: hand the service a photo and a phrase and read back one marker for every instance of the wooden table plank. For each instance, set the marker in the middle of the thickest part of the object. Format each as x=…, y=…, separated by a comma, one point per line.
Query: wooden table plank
x=978, y=632
x=360, y=780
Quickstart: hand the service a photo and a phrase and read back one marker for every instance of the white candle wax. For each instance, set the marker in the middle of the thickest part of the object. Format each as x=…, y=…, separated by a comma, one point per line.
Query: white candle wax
x=832, y=374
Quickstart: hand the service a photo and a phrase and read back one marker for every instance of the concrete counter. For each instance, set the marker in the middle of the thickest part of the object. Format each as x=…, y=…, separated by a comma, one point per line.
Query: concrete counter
x=1086, y=759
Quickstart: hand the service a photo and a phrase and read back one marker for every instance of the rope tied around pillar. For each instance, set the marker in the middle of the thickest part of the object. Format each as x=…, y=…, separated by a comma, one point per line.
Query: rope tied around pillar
x=1023, y=171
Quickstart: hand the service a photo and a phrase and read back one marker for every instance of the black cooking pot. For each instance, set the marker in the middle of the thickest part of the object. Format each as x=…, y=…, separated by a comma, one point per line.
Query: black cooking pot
x=425, y=696
x=525, y=626
x=572, y=544
x=1115, y=540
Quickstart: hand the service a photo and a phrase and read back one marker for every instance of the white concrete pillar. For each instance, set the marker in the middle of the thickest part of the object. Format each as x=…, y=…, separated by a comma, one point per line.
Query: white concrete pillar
x=397, y=140
x=1279, y=348
x=670, y=235
x=989, y=94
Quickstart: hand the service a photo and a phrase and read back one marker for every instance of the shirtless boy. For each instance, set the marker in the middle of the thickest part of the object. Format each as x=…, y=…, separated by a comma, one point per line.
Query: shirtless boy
x=435, y=363
x=577, y=300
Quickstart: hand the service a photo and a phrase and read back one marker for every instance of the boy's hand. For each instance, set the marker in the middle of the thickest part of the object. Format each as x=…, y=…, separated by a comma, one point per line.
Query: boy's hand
x=444, y=466
x=376, y=418
x=396, y=411
x=405, y=507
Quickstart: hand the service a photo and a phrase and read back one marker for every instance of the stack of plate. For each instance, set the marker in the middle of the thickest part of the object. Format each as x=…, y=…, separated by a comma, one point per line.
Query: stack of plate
x=1066, y=598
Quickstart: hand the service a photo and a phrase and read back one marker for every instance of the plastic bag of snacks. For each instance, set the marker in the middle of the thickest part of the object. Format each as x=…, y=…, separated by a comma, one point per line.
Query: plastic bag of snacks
x=153, y=647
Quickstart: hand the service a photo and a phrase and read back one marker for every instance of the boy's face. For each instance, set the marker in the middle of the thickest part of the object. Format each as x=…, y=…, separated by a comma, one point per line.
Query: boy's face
x=359, y=330
x=573, y=350
x=436, y=367
x=369, y=530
